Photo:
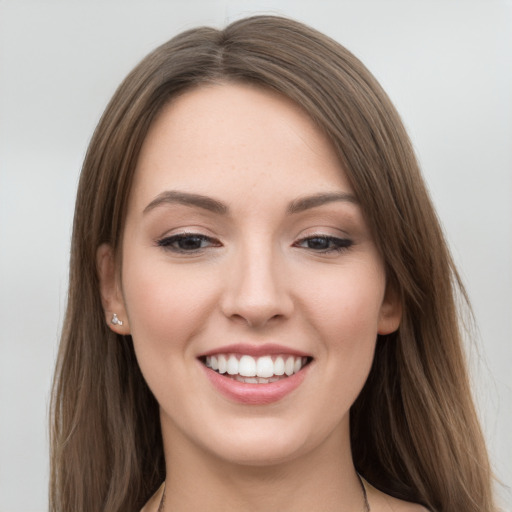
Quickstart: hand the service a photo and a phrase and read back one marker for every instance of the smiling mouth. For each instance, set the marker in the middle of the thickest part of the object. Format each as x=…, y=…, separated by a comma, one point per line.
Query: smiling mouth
x=255, y=370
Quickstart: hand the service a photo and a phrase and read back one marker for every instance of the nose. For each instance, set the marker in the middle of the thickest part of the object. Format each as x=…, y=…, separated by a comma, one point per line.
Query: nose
x=257, y=289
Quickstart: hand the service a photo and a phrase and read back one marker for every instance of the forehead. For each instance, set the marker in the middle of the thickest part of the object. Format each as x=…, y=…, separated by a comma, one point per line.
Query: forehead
x=232, y=139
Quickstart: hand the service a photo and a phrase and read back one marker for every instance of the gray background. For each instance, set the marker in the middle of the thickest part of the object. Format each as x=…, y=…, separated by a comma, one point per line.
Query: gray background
x=446, y=64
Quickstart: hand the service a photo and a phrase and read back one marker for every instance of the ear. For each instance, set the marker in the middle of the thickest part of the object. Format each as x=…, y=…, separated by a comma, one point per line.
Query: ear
x=110, y=290
x=390, y=311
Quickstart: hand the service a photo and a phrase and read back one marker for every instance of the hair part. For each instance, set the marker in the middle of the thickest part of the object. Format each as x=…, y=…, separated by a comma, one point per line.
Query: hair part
x=414, y=430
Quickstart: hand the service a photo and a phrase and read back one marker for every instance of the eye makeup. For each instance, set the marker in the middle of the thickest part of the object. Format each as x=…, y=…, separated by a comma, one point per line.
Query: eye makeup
x=187, y=242
x=324, y=243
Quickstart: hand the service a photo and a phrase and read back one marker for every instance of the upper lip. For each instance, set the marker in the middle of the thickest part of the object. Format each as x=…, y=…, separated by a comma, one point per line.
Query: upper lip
x=256, y=350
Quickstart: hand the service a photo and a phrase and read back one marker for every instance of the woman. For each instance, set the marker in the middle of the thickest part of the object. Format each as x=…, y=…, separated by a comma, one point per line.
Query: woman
x=261, y=313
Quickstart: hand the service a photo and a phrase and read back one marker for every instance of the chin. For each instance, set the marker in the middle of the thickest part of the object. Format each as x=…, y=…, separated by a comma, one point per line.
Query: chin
x=261, y=453
x=268, y=442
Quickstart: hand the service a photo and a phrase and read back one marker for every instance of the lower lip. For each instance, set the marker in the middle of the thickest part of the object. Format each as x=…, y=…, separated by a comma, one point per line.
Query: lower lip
x=255, y=394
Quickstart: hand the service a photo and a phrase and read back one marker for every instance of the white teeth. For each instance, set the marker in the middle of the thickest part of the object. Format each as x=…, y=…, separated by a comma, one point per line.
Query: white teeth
x=247, y=366
x=289, y=365
x=279, y=366
x=261, y=370
x=265, y=367
x=223, y=364
x=232, y=366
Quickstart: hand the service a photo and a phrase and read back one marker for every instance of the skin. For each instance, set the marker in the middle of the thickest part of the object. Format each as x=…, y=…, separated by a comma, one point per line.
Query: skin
x=260, y=274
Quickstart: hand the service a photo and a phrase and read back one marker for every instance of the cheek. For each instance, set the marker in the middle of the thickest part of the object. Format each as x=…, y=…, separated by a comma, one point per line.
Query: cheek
x=344, y=311
x=347, y=303
x=166, y=306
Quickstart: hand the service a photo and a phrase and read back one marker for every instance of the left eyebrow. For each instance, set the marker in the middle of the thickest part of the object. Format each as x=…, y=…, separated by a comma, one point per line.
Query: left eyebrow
x=188, y=199
x=305, y=203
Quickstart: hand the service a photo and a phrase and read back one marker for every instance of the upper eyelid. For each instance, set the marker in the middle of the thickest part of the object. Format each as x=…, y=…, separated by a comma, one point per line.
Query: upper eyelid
x=322, y=234
x=186, y=234
x=327, y=237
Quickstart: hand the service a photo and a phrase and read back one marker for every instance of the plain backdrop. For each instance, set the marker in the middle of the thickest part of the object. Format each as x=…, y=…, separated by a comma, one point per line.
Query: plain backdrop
x=446, y=64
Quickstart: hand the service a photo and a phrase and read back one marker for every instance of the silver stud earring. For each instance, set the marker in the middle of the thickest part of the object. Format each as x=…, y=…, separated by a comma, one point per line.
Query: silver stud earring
x=116, y=320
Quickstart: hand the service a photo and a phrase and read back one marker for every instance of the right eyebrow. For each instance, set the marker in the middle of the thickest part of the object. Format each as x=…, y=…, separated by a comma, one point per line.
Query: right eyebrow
x=187, y=199
x=314, y=201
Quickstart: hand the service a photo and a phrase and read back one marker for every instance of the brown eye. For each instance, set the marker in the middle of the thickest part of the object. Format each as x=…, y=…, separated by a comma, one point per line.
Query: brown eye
x=324, y=243
x=187, y=242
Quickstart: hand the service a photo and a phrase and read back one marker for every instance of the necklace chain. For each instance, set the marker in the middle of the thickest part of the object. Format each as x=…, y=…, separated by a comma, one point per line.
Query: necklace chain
x=363, y=487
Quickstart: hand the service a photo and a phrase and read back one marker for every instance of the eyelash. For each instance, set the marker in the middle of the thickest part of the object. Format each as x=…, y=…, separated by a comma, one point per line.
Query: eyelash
x=336, y=244
x=168, y=243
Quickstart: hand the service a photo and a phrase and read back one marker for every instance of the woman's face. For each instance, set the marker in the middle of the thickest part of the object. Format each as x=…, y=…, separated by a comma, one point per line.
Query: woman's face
x=245, y=250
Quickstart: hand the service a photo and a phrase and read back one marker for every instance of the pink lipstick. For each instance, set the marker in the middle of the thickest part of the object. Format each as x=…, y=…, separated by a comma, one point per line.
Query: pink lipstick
x=255, y=374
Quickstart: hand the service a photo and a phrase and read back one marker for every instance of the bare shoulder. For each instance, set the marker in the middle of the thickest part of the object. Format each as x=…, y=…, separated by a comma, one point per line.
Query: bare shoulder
x=381, y=502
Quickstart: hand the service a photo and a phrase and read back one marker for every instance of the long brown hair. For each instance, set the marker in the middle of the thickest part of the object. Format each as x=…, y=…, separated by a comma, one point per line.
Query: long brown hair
x=414, y=431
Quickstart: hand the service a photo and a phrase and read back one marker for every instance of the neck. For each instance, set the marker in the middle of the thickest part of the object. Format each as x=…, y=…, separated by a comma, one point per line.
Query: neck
x=321, y=479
